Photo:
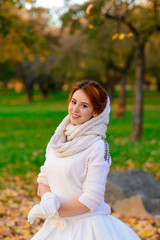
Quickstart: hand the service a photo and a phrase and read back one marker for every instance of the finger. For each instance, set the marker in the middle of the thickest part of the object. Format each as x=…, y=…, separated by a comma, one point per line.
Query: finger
x=48, y=208
x=31, y=220
x=58, y=205
x=43, y=209
x=53, y=207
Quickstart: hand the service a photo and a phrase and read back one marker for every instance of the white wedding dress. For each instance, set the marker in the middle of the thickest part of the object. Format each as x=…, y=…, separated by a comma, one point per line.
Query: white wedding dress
x=77, y=164
x=99, y=227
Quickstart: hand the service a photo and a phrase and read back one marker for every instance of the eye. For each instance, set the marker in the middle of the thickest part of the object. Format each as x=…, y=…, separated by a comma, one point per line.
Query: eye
x=84, y=106
x=73, y=102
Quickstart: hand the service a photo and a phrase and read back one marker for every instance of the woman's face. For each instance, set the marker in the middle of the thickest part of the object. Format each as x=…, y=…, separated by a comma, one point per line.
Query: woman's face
x=80, y=108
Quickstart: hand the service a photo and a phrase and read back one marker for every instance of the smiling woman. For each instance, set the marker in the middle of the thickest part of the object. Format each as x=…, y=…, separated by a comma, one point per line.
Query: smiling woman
x=80, y=108
x=73, y=178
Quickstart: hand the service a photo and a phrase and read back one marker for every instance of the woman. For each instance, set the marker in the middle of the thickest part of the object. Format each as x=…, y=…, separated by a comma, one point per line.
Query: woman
x=73, y=178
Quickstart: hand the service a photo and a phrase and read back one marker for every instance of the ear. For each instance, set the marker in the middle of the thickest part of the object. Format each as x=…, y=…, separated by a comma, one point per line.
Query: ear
x=95, y=114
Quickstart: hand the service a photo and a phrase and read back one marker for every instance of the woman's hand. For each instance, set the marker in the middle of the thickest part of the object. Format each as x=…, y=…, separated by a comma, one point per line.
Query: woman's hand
x=67, y=209
x=35, y=213
x=49, y=204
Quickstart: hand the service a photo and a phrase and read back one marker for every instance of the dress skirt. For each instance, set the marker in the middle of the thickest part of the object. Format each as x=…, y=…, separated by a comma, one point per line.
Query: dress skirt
x=99, y=227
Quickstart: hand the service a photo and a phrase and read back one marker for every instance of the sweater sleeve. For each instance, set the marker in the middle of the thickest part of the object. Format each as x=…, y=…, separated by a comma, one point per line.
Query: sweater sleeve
x=42, y=177
x=93, y=188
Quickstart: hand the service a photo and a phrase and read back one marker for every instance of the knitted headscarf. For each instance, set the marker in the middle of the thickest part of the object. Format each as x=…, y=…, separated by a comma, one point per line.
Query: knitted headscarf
x=69, y=139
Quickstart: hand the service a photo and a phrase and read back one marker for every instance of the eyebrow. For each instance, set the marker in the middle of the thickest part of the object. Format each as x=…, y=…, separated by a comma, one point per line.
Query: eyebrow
x=81, y=102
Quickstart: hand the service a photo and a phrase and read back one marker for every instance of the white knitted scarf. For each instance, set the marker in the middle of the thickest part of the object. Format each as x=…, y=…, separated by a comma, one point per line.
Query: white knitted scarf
x=69, y=139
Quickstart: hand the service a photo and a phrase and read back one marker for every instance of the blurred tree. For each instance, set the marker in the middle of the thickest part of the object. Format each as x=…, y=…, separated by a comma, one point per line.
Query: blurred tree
x=34, y=47
x=108, y=55
x=7, y=71
x=26, y=42
x=104, y=57
x=8, y=14
x=45, y=66
x=152, y=61
x=70, y=66
x=140, y=20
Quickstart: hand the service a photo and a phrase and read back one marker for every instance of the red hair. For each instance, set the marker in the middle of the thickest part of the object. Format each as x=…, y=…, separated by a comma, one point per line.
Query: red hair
x=96, y=94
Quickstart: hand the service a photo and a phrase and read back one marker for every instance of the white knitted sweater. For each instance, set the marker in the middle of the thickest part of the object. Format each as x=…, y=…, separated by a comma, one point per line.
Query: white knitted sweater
x=82, y=175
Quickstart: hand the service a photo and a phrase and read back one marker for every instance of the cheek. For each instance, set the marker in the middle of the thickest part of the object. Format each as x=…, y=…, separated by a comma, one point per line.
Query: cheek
x=69, y=108
x=88, y=114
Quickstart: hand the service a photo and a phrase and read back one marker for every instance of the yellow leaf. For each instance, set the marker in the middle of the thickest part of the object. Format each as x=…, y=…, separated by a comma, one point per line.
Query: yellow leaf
x=16, y=238
x=137, y=226
x=115, y=36
x=26, y=232
x=129, y=35
x=2, y=230
x=27, y=224
x=90, y=6
x=7, y=238
x=26, y=50
x=13, y=215
x=30, y=57
x=2, y=210
x=90, y=26
x=132, y=220
x=147, y=233
x=121, y=36
x=42, y=59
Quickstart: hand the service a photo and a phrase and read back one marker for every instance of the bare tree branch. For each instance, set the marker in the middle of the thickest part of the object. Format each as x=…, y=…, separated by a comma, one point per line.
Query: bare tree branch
x=123, y=20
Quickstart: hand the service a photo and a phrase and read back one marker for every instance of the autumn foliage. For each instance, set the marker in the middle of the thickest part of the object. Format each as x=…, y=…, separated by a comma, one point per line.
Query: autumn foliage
x=18, y=197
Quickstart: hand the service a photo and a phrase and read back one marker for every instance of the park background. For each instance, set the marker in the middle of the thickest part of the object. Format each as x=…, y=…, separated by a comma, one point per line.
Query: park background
x=113, y=42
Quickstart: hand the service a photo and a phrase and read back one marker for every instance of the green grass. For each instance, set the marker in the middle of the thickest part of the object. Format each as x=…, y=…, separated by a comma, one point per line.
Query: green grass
x=25, y=130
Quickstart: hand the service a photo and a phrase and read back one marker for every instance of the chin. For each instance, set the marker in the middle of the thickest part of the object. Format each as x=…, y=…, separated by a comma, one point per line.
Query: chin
x=75, y=122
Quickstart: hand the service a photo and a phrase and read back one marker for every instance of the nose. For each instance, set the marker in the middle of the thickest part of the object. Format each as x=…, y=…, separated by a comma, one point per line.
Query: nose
x=76, y=108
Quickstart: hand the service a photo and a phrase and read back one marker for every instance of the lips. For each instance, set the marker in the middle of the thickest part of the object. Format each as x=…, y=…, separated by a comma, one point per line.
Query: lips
x=75, y=116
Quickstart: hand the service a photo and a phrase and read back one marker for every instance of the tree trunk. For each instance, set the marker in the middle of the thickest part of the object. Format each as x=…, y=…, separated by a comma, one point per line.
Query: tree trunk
x=138, y=94
x=158, y=84
x=120, y=108
x=111, y=79
x=43, y=93
x=29, y=93
x=43, y=89
x=27, y=81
